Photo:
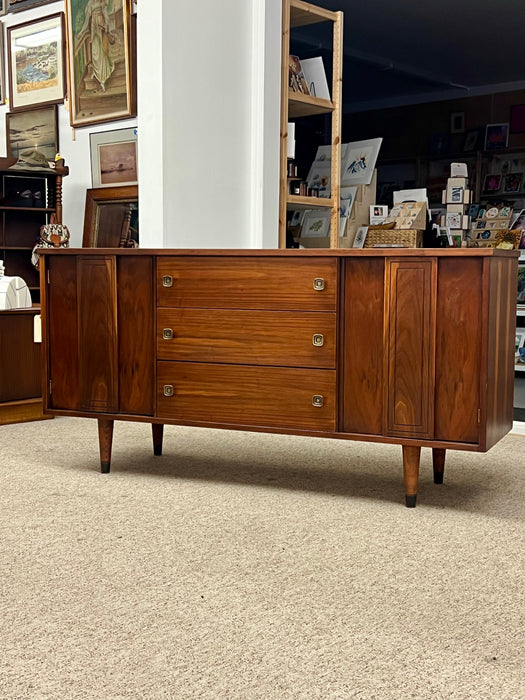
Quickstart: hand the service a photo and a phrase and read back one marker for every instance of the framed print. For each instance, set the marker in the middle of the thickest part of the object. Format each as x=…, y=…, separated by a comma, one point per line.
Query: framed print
x=101, y=61
x=19, y=5
x=359, y=162
x=3, y=7
x=512, y=182
x=316, y=224
x=114, y=157
x=496, y=136
x=111, y=217
x=471, y=140
x=360, y=237
x=492, y=183
x=36, y=69
x=32, y=128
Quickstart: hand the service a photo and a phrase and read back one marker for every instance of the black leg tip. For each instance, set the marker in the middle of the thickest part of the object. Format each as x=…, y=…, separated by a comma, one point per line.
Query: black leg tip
x=410, y=501
x=157, y=450
x=438, y=478
x=104, y=467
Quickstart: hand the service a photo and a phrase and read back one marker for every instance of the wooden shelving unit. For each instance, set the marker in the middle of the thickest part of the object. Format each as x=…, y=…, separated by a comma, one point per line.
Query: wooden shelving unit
x=297, y=13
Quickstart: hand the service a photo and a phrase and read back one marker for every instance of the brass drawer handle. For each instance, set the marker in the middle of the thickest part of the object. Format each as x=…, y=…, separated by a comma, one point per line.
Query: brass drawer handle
x=318, y=284
x=168, y=390
x=318, y=340
x=167, y=334
x=317, y=400
x=167, y=281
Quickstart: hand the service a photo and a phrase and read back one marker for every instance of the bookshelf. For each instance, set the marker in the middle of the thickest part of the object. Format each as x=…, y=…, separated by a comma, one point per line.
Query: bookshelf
x=296, y=105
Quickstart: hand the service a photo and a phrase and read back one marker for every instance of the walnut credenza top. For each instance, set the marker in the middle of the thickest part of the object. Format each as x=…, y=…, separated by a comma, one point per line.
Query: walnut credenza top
x=407, y=346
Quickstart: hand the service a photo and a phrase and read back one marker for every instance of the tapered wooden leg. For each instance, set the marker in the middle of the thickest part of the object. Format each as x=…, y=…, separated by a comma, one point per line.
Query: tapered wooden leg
x=411, y=457
x=158, y=434
x=105, y=440
x=438, y=463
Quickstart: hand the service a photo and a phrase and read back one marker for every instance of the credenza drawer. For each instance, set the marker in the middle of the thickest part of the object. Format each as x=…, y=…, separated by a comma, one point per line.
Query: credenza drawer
x=283, y=338
x=308, y=284
x=245, y=395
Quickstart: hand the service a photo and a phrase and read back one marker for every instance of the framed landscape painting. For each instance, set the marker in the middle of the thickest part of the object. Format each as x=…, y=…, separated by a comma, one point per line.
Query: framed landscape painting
x=36, y=68
x=32, y=128
x=101, y=60
x=114, y=157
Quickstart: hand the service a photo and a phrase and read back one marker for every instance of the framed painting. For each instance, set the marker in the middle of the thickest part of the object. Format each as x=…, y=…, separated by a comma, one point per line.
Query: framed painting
x=111, y=217
x=3, y=7
x=114, y=157
x=101, y=60
x=19, y=5
x=36, y=67
x=32, y=128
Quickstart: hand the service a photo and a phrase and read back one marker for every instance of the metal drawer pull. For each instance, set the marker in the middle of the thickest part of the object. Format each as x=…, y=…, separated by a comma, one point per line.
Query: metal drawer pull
x=167, y=334
x=168, y=390
x=318, y=340
x=317, y=400
x=167, y=281
x=318, y=284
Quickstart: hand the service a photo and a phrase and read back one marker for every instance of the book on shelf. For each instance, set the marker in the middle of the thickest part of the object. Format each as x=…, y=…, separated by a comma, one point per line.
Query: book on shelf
x=297, y=80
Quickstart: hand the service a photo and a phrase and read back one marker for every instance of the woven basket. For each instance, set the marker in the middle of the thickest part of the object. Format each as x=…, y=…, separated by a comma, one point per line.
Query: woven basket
x=410, y=238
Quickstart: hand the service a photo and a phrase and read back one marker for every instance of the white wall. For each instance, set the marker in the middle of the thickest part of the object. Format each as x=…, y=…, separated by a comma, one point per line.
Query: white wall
x=208, y=125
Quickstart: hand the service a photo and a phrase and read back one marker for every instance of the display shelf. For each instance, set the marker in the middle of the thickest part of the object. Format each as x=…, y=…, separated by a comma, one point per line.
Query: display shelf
x=295, y=105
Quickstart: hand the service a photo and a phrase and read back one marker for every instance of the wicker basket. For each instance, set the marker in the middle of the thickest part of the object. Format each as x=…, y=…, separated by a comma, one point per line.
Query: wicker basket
x=410, y=238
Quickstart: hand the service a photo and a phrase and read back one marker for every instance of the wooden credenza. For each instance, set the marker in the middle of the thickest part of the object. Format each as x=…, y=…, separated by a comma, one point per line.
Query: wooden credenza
x=413, y=347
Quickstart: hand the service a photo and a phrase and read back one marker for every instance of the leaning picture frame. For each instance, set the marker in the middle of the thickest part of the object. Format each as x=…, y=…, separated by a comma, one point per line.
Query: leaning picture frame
x=32, y=128
x=36, y=65
x=114, y=157
x=101, y=60
x=359, y=162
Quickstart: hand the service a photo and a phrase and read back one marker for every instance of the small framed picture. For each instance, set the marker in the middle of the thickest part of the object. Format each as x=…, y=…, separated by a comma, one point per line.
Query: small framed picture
x=471, y=140
x=114, y=157
x=36, y=65
x=457, y=123
x=3, y=7
x=496, y=136
x=316, y=224
x=360, y=237
x=19, y=5
x=453, y=220
x=32, y=128
x=378, y=213
x=492, y=183
x=512, y=182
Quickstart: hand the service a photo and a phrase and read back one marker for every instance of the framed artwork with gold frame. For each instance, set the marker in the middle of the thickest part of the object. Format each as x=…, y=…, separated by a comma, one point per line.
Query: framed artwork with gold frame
x=101, y=38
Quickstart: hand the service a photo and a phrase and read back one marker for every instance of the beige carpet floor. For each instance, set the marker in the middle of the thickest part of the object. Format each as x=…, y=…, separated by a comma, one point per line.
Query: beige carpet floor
x=243, y=566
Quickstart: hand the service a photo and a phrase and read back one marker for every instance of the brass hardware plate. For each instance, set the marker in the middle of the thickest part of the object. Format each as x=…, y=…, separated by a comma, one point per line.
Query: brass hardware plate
x=318, y=340
x=168, y=390
x=167, y=334
x=317, y=400
x=318, y=284
x=167, y=281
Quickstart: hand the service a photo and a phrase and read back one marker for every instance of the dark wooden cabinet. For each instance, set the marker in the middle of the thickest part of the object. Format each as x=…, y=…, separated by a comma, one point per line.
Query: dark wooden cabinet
x=413, y=347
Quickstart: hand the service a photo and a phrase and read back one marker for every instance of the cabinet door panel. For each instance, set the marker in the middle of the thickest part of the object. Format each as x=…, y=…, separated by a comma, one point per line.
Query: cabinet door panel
x=363, y=346
x=245, y=395
x=247, y=283
x=458, y=349
x=62, y=320
x=283, y=338
x=97, y=311
x=410, y=339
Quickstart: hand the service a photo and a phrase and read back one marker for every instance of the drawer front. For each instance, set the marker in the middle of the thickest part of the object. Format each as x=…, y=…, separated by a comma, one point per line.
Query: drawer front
x=283, y=338
x=275, y=397
x=308, y=284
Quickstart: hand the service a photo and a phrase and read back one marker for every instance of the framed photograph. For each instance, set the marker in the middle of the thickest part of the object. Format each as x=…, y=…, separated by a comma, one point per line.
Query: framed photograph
x=492, y=183
x=512, y=182
x=114, y=157
x=102, y=85
x=19, y=5
x=496, y=136
x=378, y=213
x=457, y=123
x=517, y=119
x=32, y=128
x=36, y=67
x=359, y=162
x=360, y=237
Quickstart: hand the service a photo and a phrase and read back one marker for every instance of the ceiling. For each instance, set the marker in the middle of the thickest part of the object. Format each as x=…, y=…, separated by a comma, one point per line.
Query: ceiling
x=415, y=51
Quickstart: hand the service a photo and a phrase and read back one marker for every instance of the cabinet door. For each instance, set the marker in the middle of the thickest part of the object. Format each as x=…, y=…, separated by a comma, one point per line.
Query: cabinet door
x=410, y=312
